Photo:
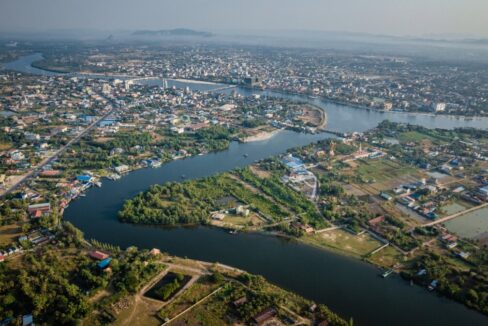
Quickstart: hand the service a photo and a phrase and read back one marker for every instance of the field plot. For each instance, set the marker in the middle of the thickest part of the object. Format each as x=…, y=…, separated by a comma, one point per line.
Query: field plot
x=387, y=257
x=384, y=171
x=357, y=245
x=9, y=233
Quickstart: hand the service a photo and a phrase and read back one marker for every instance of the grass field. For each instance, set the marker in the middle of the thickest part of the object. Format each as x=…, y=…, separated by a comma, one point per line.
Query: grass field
x=197, y=291
x=383, y=170
x=9, y=234
x=345, y=242
x=413, y=136
x=386, y=257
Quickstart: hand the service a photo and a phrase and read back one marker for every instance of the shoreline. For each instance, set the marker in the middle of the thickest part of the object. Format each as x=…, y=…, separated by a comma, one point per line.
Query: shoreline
x=261, y=136
x=194, y=81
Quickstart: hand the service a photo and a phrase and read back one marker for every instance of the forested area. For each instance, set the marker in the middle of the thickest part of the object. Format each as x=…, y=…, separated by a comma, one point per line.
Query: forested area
x=191, y=202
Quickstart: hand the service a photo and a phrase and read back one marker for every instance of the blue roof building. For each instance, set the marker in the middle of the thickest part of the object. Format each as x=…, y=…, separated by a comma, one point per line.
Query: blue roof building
x=104, y=263
x=84, y=178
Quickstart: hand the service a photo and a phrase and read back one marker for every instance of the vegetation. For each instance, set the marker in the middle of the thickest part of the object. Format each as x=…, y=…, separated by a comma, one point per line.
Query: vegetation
x=167, y=290
x=468, y=287
x=191, y=202
x=285, y=196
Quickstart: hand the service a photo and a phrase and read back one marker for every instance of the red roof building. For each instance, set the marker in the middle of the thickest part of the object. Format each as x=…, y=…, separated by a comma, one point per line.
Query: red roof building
x=98, y=255
x=377, y=220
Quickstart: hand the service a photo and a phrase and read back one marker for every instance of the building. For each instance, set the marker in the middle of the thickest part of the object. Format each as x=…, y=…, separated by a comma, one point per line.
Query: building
x=121, y=169
x=27, y=320
x=385, y=196
x=264, y=316
x=439, y=107
x=242, y=210
x=39, y=210
x=96, y=254
x=387, y=106
x=483, y=192
x=376, y=221
x=106, y=89
x=84, y=178
x=218, y=216
x=128, y=84
x=104, y=263
x=252, y=81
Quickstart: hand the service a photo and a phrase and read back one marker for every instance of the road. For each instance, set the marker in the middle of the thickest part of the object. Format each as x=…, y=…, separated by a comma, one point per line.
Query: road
x=453, y=216
x=51, y=158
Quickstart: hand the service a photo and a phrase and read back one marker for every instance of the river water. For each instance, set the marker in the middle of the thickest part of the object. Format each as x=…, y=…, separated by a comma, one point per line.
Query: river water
x=350, y=287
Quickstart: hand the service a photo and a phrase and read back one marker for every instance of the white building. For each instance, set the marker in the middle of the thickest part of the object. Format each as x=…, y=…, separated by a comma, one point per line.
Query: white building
x=439, y=107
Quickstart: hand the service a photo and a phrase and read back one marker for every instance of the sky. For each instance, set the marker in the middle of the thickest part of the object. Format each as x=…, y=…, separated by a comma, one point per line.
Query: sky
x=391, y=17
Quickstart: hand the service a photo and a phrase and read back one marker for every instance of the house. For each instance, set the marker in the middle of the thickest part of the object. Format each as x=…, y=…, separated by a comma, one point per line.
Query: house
x=155, y=252
x=483, y=192
x=242, y=210
x=196, y=126
x=121, y=169
x=50, y=173
x=96, y=254
x=376, y=221
x=264, y=315
x=27, y=320
x=2, y=258
x=39, y=210
x=385, y=196
x=104, y=263
x=177, y=130
x=84, y=178
x=449, y=240
x=218, y=216
x=239, y=302
x=464, y=255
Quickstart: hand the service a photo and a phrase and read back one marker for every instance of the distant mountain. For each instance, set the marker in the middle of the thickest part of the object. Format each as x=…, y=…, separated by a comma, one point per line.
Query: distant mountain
x=173, y=32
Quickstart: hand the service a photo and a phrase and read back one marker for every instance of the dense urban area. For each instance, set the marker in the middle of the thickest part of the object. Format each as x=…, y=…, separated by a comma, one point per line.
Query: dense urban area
x=406, y=199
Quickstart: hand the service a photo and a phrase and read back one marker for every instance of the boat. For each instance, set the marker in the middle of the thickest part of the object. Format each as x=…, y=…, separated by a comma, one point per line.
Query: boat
x=98, y=184
x=183, y=176
x=386, y=273
x=432, y=285
x=245, y=155
x=233, y=231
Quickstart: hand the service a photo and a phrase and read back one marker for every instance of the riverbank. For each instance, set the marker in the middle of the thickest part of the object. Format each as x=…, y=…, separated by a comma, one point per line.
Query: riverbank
x=356, y=105
x=314, y=116
x=194, y=81
x=261, y=136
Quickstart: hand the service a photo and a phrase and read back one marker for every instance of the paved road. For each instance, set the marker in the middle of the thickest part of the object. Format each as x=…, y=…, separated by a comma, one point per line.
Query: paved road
x=453, y=216
x=49, y=159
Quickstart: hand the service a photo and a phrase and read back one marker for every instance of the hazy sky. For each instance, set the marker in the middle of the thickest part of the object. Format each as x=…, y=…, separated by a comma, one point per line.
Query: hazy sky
x=399, y=17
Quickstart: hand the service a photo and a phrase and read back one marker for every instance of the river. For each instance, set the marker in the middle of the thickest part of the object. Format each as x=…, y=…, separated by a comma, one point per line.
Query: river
x=348, y=286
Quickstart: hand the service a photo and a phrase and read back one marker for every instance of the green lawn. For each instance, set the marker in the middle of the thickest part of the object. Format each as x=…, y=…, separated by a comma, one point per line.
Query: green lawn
x=387, y=257
x=9, y=234
x=413, y=136
x=343, y=241
x=383, y=169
